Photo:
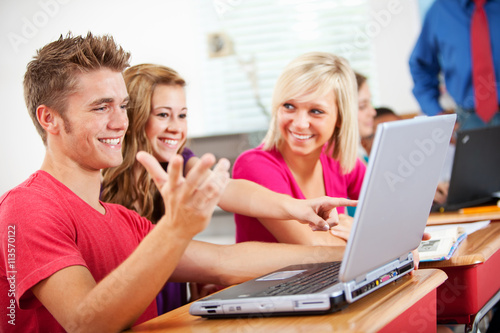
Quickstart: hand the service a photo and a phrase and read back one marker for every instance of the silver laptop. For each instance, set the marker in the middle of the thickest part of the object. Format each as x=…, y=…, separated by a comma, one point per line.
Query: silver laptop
x=393, y=208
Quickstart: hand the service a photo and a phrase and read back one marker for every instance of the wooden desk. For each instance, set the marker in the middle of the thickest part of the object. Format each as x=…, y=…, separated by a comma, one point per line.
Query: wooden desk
x=455, y=217
x=407, y=305
x=472, y=278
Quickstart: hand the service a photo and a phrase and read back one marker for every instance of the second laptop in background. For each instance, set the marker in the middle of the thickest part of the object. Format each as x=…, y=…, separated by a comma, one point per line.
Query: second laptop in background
x=475, y=175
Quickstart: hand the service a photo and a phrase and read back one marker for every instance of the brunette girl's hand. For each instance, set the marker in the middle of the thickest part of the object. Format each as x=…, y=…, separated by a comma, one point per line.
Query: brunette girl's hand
x=319, y=213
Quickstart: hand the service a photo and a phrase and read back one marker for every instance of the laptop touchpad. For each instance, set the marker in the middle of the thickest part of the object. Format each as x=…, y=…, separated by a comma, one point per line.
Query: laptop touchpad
x=280, y=275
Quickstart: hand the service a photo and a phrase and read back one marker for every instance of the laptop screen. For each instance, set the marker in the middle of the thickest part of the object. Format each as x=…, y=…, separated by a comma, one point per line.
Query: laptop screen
x=399, y=185
x=475, y=175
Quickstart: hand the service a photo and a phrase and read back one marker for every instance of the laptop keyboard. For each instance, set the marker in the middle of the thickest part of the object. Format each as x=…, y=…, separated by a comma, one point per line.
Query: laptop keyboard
x=306, y=284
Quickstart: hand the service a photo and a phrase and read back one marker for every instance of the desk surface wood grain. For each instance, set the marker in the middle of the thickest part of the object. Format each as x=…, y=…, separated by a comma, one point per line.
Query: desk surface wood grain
x=369, y=314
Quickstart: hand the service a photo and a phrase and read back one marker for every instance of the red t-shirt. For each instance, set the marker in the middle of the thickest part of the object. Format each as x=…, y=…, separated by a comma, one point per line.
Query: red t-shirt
x=45, y=227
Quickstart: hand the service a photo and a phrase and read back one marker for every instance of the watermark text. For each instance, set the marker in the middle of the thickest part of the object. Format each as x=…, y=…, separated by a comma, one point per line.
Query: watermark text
x=11, y=273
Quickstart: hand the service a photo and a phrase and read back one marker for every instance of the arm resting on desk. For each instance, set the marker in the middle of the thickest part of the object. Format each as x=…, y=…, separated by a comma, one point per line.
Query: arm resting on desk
x=231, y=264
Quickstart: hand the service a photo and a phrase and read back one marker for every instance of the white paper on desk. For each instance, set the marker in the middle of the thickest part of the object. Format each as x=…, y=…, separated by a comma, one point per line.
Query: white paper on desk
x=469, y=227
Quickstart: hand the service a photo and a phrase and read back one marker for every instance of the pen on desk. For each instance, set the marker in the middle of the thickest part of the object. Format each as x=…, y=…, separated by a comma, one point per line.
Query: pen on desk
x=481, y=209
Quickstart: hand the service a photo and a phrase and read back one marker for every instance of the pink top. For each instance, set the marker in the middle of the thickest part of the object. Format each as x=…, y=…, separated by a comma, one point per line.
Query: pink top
x=269, y=169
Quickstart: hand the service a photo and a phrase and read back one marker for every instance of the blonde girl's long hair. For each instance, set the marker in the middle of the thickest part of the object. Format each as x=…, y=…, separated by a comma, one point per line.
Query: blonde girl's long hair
x=119, y=183
x=317, y=74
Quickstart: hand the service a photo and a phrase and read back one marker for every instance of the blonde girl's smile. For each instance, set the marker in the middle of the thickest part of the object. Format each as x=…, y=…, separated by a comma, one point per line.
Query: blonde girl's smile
x=307, y=123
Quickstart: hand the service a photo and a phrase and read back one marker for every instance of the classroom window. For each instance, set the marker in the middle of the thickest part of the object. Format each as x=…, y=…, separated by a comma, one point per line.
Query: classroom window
x=248, y=43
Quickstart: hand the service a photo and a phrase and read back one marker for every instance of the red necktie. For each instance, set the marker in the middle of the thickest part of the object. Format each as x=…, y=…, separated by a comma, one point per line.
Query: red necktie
x=483, y=73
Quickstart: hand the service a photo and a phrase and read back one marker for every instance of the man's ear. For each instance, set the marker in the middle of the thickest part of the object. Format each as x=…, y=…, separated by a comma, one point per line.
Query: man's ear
x=49, y=119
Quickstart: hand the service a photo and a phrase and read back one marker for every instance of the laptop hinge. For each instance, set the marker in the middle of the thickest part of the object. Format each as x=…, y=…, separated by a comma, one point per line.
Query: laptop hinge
x=360, y=279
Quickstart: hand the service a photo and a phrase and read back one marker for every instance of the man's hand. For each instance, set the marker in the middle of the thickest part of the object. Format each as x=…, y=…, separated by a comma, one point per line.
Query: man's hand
x=416, y=256
x=189, y=202
x=319, y=213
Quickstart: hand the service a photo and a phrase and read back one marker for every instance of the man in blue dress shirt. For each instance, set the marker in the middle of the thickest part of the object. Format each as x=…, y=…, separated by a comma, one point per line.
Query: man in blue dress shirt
x=444, y=46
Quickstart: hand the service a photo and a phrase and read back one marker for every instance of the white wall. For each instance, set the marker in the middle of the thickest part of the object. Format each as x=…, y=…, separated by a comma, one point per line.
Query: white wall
x=399, y=25
x=157, y=31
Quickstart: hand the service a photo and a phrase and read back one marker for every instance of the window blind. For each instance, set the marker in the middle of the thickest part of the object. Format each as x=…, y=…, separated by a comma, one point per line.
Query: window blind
x=264, y=36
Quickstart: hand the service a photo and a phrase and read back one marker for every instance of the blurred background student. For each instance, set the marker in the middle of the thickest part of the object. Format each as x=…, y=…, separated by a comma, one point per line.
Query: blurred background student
x=382, y=115
x=366, y=113
x=366, y=116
